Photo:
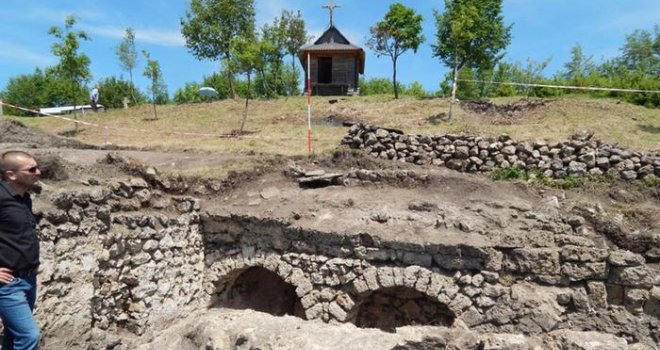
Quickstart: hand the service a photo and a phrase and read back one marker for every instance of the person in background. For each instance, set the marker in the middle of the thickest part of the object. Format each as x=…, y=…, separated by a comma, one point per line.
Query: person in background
x=19, y=250
x=94, y=98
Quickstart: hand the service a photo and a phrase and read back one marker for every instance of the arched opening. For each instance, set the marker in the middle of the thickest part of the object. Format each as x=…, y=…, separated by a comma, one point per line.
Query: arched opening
x=393, y=307
x=262, y=290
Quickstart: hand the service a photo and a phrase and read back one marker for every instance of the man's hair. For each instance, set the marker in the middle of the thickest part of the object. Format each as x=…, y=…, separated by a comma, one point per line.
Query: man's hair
x=9, y=160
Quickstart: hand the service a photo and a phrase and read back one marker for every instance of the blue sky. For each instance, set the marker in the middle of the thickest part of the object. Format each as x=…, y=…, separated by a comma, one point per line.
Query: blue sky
x=542, y=29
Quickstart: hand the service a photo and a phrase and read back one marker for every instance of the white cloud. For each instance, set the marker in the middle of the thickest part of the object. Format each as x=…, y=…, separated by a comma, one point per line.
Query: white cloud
x=267, y=10
x=641, y=19
x=151, y=36
x=44, y=14
x=160, y=37
x=14, y=52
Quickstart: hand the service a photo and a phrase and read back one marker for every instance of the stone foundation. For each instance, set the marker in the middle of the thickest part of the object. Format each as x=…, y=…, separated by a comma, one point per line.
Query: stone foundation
x=122, y=259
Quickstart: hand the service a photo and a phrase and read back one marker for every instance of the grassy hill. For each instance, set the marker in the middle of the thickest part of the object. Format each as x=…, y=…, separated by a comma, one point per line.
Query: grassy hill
x=278, y=127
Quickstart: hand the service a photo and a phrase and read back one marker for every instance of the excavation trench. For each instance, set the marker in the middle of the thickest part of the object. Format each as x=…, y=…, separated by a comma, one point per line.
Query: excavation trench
x=127, y=258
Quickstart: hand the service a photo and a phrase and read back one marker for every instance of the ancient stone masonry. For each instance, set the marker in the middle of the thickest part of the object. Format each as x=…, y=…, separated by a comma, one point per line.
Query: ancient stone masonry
x=579, y=156
x=124, y=257
x=511, y=288
x=117, y=256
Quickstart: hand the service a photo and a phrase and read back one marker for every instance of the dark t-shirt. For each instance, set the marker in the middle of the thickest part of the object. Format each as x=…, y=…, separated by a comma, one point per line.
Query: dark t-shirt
x=19, y=245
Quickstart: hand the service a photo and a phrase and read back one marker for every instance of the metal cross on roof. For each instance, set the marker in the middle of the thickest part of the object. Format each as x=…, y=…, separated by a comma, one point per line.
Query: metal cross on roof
x=331, y=7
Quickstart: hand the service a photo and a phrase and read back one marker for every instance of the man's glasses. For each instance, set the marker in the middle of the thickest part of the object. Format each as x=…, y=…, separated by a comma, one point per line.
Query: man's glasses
x=31, y=170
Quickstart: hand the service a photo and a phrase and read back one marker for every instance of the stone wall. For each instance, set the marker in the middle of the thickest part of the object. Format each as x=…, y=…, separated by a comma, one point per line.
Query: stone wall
x=579, y=156
x=116, y=257
x=122, y=258
x=497, y=289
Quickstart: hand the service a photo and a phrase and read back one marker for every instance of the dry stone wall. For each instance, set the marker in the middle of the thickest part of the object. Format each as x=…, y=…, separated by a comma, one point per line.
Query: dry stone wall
x=577, y=157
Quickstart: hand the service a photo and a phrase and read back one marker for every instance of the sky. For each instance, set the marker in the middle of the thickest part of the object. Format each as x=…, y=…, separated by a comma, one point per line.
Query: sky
x=542, y=29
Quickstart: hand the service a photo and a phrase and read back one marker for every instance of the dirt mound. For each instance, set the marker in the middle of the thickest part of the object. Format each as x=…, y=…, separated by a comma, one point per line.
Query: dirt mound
x=336, y=120
x=13, y=131
x=504, y=114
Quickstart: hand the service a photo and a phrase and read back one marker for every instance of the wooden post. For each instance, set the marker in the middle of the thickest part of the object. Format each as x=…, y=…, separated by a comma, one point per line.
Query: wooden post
x=1, y=108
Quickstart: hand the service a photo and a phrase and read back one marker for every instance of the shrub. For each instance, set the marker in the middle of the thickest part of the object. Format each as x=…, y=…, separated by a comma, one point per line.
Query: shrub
x=114, y=90
x=376, y=86
x=508, y=173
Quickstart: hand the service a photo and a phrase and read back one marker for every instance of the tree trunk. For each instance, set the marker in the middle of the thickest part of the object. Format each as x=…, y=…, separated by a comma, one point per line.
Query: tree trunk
x=247, y=100
x=230, y=78
x=293, y=75
x=278, y=63
x=132, y=87
x=153, y=102
x=396, y=86
x=264, y=82
x=453, y=92
x=75, y=115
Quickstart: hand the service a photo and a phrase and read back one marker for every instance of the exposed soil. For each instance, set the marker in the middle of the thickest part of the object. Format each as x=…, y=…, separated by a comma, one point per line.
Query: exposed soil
x=504, y=114
x=448, y=208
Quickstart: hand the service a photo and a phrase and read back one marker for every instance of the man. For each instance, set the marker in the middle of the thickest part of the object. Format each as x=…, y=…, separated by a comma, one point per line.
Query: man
x=19, y=250
x=94, y=98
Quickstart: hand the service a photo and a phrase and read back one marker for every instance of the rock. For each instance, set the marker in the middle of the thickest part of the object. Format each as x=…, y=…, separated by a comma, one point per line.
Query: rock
x=509, y=150
x=577, y=168
x=628, y=175
x=637, y=276
x=624, y=258
x=597, y=294
x=584, y=271
x=635, y=299
x=531, y=260
x=270, y=192
x=576, y=340
x=422, y=206
x=462, y=152
x=583, y=254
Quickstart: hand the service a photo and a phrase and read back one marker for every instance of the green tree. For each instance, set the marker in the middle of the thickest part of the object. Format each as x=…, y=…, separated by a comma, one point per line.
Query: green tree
x=470, y=33
x=503, y=74
x=157, y=85
x=128, y=58
x=275, y=34
x=114, y=91
x=210, y=26
x=398, y=32
x=34, y=91
x=641, y=52
x=219, y=82
x=248, y=58
x=188, y=94
x=73, y=67
x=295, y=37
x=375, y=86
x=578, y=67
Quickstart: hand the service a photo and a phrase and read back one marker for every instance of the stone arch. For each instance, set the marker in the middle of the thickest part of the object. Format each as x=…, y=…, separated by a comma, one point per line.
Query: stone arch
x=392, y=307
x=260, y=289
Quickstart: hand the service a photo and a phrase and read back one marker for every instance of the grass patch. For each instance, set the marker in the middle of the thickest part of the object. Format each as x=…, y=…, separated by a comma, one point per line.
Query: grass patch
x=280, y=126
x=535, y=176
x=651, y=181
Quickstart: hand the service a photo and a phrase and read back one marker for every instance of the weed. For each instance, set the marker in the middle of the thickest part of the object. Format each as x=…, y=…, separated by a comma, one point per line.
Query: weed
x=536, y=176
x=651, y=181
x=508, y=173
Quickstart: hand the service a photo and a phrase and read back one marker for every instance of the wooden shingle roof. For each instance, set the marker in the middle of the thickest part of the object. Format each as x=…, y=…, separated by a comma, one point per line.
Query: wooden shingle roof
x=332, y=41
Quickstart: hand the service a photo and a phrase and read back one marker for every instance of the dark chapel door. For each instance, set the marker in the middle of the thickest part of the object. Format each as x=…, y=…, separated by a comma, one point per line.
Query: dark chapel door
x=325, y=70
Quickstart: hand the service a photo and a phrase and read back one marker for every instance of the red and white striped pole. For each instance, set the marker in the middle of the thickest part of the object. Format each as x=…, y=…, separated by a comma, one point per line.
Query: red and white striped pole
x=309, y=107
